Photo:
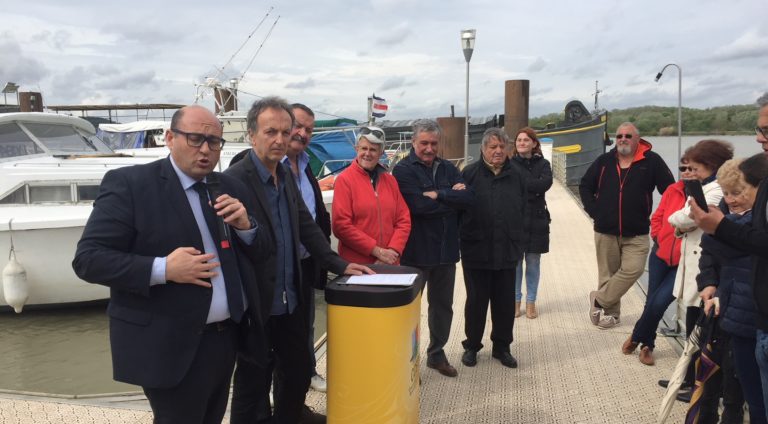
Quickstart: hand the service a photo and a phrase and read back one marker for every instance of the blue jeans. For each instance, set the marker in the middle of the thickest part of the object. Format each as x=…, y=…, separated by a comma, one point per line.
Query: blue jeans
x=747, y=370
x=761, y=355
x=532, y=274
x=661, y=281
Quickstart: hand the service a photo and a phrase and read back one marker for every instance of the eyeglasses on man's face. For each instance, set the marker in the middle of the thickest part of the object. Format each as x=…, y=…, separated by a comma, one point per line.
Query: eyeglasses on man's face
x=762, y=131
x=197, y=139
x=620, y=136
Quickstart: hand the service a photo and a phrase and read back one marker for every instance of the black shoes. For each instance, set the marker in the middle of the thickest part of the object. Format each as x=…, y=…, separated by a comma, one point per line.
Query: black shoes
x=469, y=358
x=308, y=416
x=683, y=394
x=506, y=359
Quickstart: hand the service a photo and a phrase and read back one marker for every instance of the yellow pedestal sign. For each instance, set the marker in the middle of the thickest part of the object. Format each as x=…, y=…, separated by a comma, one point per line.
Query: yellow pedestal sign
x=373, y=352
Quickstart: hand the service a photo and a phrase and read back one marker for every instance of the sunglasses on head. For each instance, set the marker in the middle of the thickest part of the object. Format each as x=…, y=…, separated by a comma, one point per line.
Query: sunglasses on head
x=376, y=133
x=620, y=136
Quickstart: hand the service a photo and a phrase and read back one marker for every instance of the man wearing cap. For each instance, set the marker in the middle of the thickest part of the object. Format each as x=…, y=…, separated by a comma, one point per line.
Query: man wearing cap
x=435, y=193
x=370, y=217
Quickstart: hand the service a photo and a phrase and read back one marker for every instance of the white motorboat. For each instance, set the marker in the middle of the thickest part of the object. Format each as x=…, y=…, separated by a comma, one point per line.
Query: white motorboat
x=50, y=170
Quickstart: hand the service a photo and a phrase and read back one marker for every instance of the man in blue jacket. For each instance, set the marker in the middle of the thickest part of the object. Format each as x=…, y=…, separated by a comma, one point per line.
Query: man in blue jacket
x=435, y=193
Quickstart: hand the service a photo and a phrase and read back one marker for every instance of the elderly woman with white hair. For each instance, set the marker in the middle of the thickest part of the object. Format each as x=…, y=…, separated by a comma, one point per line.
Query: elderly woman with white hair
x=369, y=215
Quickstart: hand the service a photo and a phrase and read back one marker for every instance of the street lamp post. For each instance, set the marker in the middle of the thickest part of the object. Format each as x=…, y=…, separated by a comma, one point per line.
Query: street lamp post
x=467, y=45
x=679, y=107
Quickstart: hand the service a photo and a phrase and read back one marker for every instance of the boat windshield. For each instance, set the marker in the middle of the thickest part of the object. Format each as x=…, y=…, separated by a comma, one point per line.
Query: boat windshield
x=15, y=142
x=64, y=139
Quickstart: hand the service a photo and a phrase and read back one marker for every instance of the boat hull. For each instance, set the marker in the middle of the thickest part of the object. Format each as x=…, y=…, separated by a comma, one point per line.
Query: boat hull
x=46, y=255
x=577, y=146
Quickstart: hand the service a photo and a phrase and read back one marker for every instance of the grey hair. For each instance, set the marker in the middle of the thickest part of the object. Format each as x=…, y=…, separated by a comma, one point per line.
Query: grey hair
x=426, y=125
x=762, y=101
x=628, y=124
x=494, y=132
x=271, y=102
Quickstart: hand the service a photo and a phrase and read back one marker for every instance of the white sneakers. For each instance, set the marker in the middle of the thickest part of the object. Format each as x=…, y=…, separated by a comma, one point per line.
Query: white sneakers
x=318, y=383
x=607, y=321
x=598, y=316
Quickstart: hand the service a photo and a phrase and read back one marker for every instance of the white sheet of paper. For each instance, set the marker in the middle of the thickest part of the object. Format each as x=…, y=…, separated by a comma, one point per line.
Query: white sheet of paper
x=382, y=280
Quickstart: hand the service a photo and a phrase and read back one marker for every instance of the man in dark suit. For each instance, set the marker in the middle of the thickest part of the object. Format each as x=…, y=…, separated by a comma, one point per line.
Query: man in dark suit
x=297, y=159
x=280, y=207
x=178, y=290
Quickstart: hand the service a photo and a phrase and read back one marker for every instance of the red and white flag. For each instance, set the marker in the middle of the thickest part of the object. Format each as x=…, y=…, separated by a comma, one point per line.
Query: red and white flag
x=379, y=107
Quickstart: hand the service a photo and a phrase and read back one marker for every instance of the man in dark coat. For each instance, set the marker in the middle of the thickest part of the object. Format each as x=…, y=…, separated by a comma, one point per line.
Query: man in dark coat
x=435, y=193
x=297, y=160
x=176, y=288
x=491, y=233
x=616, y=192
x=280, y=207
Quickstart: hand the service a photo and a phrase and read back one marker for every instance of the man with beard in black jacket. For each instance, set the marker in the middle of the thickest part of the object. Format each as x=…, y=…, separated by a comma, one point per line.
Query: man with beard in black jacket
x=616, y=192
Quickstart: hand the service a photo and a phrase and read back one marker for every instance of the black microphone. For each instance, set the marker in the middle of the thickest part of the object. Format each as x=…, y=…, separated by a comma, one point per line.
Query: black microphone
x=214, y=187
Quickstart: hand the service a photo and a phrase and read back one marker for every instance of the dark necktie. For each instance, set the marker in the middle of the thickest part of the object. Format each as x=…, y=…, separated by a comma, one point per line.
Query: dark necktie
x=226, y=256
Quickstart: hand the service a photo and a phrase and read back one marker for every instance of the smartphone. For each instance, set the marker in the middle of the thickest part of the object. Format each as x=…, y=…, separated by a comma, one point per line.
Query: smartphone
x=693, y=188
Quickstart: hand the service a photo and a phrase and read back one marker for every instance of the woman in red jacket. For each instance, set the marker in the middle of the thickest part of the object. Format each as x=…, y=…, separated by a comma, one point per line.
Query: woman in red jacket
x=369, y=215
x=662, y=267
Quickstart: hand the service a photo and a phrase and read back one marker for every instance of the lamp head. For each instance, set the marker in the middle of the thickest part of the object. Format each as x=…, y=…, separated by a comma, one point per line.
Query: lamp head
x=658, y=76
x=468, y=42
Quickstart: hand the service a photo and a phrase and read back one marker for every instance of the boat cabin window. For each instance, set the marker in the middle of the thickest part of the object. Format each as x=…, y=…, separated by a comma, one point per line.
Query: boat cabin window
x=50, y=194
x=62, y=193
x=87, y=193
x=16, y=197
x=65, y=139
x=14, y=142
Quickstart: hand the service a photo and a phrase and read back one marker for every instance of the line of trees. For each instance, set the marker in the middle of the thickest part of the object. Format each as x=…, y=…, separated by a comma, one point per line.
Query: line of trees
x=658, y=120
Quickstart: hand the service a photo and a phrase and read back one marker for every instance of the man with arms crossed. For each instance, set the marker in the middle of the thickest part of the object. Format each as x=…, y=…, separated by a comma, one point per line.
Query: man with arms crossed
x=435, y=193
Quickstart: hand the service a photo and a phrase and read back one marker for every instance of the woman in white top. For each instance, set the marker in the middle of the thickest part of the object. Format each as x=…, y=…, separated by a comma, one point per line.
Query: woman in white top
x=704, y=159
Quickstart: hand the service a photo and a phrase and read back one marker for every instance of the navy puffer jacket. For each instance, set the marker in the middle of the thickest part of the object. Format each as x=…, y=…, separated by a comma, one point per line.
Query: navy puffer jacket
x=737, y=304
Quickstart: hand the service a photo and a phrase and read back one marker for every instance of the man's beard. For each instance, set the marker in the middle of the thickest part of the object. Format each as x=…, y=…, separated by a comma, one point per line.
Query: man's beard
x=624, y=150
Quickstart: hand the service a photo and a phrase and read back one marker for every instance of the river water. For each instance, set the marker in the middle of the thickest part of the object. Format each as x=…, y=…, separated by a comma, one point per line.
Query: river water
x=67, y=351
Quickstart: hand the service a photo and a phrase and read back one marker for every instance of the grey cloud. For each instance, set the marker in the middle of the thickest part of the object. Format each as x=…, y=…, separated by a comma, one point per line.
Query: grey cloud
x=308, y=83
x=537, y=65
x=395, y=35
x=17, y=67
x=81, y=81
x=148, y=33
x=59, y=39
x=394, y=83
x=750, y=45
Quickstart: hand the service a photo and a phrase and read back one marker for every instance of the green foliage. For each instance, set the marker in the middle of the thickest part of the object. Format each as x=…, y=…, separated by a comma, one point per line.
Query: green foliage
x=658, y=120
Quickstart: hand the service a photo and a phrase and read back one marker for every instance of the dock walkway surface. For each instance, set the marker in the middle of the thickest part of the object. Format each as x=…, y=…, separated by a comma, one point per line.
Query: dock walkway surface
x=569, y=371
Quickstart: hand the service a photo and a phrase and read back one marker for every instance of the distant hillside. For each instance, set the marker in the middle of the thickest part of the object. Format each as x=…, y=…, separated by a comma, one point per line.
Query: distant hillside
x=658, y=120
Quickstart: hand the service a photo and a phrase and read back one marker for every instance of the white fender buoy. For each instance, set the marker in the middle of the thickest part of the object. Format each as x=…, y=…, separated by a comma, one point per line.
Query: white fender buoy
x=15, y=287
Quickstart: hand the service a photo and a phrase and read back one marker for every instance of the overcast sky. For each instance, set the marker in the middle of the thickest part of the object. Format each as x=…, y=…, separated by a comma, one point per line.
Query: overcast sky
x=333, y=54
